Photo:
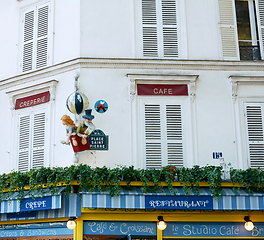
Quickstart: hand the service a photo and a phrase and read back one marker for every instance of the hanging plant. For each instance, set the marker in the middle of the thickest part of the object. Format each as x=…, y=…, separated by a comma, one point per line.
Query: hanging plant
x=83, y=177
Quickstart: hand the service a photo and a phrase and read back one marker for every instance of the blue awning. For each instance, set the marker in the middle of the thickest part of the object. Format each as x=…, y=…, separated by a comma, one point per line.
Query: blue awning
x=136, y=199
x=43, y=205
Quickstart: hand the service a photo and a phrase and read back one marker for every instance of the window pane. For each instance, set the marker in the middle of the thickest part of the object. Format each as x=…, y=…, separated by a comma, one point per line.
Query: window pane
x=243, y=23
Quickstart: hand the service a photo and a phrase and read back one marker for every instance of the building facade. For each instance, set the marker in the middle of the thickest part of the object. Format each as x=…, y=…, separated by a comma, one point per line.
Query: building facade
x=169, y=82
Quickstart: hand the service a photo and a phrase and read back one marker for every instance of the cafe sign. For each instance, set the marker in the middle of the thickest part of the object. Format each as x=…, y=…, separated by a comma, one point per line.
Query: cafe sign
x=212, y=229
x=162, y=89
x=32, y=100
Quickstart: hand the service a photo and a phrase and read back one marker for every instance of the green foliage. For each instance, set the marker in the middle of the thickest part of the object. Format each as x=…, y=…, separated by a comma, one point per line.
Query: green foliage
x=252, y=179
x=77, y=178
x=190, y=179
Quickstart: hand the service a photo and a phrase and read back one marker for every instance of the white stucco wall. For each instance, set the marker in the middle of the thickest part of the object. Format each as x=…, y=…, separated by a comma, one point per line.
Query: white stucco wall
x=104, y=33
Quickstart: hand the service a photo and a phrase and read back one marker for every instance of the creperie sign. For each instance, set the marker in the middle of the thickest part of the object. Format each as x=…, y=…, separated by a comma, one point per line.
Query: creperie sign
x=162, y=89
x=32, y=100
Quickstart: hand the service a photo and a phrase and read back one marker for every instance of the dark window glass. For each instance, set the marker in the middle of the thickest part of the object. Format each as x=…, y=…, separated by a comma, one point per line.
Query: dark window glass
x=243, y=23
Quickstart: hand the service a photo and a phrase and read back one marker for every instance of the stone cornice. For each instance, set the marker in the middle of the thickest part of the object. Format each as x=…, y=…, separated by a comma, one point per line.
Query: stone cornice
x=137, y=64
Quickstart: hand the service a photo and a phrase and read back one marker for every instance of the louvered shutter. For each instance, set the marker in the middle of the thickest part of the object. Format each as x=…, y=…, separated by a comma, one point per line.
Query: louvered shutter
x=35, y=38
x=260, y=17
x=174, y=135
x=228, y=30
x=29, y=23
x=153, y=136
x=31, y=147
x=24, y=143
x=149, y=22
x=42, y=37
x=39, y=123
x=163, y=135
x=254, y=120
x=170, y=35
x=159, y=28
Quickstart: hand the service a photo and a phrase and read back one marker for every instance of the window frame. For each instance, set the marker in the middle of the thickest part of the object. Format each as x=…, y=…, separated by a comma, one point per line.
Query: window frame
x=23, y=11
x=250, y=161
x=162, y=101
x=241, y=96
x=31, y=112
x=181, y=31
x=136, y=123
x=50, y=113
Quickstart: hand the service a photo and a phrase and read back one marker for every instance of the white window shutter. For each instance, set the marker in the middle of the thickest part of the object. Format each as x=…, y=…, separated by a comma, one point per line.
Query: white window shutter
x=159, y=28
x=260, y=18
x=228, y=30
x=42, y=37
x=163, y=135
x=24, y=143
x=35, y=38
x=170, y=34
x=29, y=25
x=174, y=135
x=39, y=129
x=32, y=134
x=254, y=120
x=153, y=136
x=149, y=23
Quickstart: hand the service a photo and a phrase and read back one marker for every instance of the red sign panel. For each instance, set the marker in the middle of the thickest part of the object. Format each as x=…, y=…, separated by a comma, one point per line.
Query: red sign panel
x=33, y=100
x=163, y=89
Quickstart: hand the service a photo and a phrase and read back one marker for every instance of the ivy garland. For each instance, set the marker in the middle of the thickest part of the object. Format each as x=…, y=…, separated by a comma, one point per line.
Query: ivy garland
x=77, y=178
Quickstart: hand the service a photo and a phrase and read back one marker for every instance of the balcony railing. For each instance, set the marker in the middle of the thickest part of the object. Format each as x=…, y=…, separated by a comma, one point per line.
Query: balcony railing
x=249, y=53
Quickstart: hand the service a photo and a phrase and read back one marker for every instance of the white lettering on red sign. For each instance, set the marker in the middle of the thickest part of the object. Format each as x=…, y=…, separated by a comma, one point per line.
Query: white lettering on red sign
x=162, y=91
x=31, y=102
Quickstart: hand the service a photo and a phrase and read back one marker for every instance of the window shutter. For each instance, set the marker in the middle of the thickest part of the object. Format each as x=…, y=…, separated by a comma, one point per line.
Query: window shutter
x=38, y=156
x=42, y=37
x=153, y=136
x=160, y=33
x=29, y=22
x=35, y=43
x=24, y=143
x=31, y=149
x=169, y=20
x=260, y=17
x=163, y=135
x=254, y=119
x=174, y=135
x=228, y=30
x=149, y=21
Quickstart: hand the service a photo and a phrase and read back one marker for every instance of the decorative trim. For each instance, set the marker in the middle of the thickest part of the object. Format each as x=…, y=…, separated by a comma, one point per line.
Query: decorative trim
x=162, y=79
x=129, y=63
x=33, y=89
x=249, y=80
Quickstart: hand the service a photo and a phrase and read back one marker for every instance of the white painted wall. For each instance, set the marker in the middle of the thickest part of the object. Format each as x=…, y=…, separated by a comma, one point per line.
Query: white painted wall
x=104, y=32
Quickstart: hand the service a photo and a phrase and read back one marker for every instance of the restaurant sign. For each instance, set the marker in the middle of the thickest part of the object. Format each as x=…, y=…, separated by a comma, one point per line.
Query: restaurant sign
x=212, y=229
x=32, y=100
x=43, y=203
x=162, y=89
x=119, y=228
x=179, y=202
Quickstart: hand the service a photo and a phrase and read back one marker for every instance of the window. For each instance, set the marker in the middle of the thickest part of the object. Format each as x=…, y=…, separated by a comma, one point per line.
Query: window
x=247, y=30
x=241, y=29
x=160, y=28
x=163, y=132
x=163, y=120
x=32, y=111
x=35, y=38
x=31, y=140
x=248, y=110
x=255, y=122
